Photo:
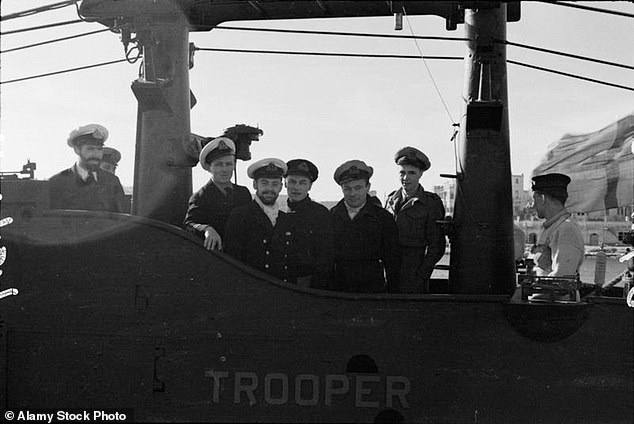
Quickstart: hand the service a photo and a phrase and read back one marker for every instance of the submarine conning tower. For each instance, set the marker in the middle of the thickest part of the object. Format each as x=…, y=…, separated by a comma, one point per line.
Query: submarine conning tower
x=482, y=259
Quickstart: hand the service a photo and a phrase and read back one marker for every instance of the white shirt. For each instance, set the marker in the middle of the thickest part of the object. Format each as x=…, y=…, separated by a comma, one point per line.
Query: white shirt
x=352, y=211
x=560, y=248
x=83, y=174
x=270, y=211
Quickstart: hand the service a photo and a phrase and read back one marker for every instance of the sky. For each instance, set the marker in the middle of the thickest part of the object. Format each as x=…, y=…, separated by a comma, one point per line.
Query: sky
x=325, y=109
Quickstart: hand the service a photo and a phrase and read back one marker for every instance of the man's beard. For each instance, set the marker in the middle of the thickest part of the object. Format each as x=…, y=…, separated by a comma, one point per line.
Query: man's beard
x=269, y=201
x=91, y=164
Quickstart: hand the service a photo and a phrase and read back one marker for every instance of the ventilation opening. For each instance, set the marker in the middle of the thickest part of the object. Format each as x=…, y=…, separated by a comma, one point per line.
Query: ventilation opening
x=362, y=364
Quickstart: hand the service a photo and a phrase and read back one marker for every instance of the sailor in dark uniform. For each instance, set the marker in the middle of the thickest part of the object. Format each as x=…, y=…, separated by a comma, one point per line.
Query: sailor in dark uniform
x=257, y=233
x=312, y=255
x=366, y=243
x=110, y=160
x=85, y=185
x=209, y=207
x=416, y=213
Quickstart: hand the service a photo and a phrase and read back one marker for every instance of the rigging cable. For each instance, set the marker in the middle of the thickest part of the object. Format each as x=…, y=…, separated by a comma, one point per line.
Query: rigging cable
x=343, y=55
x=64, y=71
x=574, y=56
x=40, y=9
x=570, y=75
x=420, y=37
x=54, y=40
x=420, y=51
x=298, y=53
x=394, y=56
x=348, y=34
x=15, y=31
x=593, y=9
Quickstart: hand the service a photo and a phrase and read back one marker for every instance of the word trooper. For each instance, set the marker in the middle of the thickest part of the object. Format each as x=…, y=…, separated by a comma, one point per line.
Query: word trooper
x=310, y=389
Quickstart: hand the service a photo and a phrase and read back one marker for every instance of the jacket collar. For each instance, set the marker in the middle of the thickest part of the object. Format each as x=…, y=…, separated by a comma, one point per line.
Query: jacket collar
x=342, y=209
x=399, y=196
x=298, y=206
x=562, y=215
x=83, y=173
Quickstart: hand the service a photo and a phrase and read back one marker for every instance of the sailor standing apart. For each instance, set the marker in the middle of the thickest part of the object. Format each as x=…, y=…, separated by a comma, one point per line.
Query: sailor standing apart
x=257, y=233
x=417, y=213
x=365, y=236
x=560, y=248
x=311, y=224
x=85, y=185
x=209, y=207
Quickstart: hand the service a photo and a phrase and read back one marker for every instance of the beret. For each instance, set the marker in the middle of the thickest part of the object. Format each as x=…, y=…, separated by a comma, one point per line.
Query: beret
x=302, y=167
x=267, y=168
x=90, y=132
x=111, y=155
x=412, y=156
x=215, y=148
x=353, y=170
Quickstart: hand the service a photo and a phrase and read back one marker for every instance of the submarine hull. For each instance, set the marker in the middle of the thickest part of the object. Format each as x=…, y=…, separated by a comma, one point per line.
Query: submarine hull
x=116, y=311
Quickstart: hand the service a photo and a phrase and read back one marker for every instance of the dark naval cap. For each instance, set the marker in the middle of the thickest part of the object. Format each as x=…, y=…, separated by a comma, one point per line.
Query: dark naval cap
x=267, y=168
x=214, y=149
x=412, y=156
x=302, y=167
x=353, y=170
x=555, y=184
x=91, y=133
x=111, y=155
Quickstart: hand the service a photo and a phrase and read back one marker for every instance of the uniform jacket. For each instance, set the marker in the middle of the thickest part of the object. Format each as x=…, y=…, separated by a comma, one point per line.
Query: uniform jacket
x=417, y=226
x=209, y=206
x=312, y=241
x=250, y=237
x=69, y=191
x=560, y=248
x=366, y=250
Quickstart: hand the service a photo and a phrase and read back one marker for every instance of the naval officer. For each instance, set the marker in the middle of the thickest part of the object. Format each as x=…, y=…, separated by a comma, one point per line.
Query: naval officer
x=209, y=207
x=365, y=236
x=416, y=213
x=85, y=185
x=257, y=233
x=560, y=248
x=311, y=225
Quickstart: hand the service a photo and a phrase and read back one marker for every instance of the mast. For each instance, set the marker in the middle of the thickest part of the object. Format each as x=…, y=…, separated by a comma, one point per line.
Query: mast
x=482, y=260
x=163, y=167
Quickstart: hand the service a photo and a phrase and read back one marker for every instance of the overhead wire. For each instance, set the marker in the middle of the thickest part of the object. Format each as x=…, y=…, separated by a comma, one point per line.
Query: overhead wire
x=15, y=31
x=359, y=55
x=590, y=8
x=414, y=37
x=540, y=68
x=340, y=33
x=54, y=40
x=421, y=37
x=431, y=76
x=306, y=53
x=36, y=10
x=63, y=71
x=574, y=56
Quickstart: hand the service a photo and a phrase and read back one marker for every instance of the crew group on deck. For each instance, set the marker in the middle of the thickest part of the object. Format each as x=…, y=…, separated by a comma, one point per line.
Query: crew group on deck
x=357, y=246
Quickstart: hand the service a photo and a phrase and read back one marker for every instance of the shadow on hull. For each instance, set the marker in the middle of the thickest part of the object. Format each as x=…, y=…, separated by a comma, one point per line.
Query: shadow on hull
x=116, y=311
